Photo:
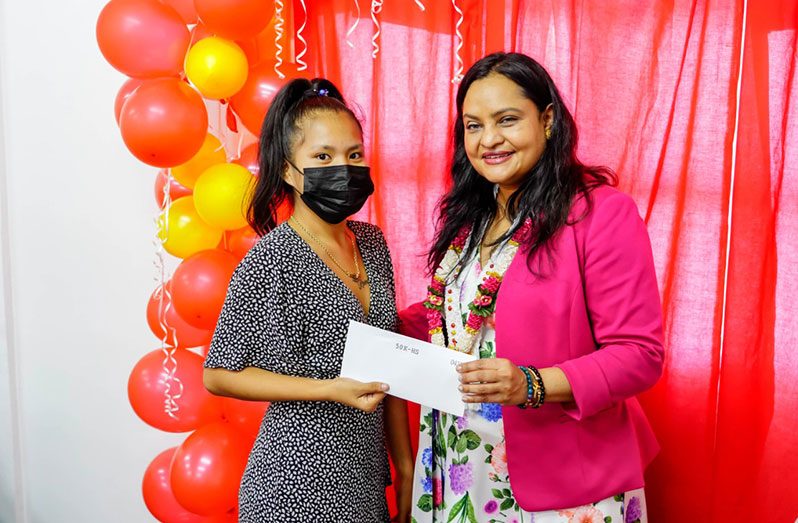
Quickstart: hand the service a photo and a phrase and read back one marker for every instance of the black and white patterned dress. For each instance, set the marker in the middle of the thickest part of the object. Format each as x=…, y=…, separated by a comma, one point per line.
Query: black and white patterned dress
x=287, y=312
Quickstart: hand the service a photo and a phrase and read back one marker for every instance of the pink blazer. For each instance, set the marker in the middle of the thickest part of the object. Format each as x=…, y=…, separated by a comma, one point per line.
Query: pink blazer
x=596, y=316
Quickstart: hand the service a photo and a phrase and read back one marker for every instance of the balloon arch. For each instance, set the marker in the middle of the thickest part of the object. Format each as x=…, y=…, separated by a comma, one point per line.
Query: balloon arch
x=201, y=76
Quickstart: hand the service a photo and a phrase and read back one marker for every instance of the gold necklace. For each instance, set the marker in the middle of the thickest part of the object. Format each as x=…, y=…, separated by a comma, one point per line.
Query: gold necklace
x=361, y=282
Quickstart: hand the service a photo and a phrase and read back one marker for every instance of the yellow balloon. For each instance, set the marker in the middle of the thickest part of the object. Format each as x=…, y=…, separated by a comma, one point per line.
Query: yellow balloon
x=187, y=233
x=209, y=154
x=222, y=194
x=217, y=67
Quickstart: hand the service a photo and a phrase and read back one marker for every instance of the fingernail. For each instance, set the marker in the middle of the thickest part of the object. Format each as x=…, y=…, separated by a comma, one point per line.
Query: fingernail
x=459, y=368
x=460, y=388
x=384, y=387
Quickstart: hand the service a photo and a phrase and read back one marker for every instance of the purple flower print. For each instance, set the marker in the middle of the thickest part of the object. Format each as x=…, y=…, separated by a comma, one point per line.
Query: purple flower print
x=491, y=506
x=491, y=411
x=462, y=423
x=460, y=477
x=426, y=457
x=426, y=483
x=633, y=510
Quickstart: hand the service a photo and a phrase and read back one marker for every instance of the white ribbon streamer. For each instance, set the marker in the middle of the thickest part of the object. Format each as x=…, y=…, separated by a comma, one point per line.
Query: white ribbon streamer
x=354, y=26
x=278, y=35
x=458, y=75
x=301, y=63
x=376, y=8
x=169, y=363
x=420, y=5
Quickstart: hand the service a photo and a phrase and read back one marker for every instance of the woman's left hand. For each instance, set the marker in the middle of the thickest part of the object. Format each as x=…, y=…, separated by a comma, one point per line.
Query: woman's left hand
x=492, y=380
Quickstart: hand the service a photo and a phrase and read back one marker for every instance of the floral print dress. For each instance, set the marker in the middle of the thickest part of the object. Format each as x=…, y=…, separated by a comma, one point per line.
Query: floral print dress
x=461, y=468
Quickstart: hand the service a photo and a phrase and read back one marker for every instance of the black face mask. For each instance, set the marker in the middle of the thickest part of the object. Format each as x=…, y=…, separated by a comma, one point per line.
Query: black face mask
x=336, y=192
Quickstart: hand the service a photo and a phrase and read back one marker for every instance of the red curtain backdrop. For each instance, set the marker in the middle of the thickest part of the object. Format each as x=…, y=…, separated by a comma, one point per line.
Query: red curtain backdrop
x=694, y=105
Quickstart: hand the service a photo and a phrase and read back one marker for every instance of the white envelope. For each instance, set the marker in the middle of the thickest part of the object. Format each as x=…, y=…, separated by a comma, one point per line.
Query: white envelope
x=414, y=370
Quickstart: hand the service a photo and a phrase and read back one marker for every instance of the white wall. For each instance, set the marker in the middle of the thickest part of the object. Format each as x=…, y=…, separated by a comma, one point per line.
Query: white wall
x=79, y=264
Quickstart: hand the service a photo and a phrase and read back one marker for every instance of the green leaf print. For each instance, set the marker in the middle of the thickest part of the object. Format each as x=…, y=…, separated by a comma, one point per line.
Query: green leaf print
x=425, y=502
x=507, y=503
x=608, y=519
x=498, y=494
x=462, y=444
x=452, y=441
x=487, y=350
x=618, y=497
x=472, y=439
x=472, y=517
x=422, y=428
x=507, y=493
x=488, y=448
x=458, y=508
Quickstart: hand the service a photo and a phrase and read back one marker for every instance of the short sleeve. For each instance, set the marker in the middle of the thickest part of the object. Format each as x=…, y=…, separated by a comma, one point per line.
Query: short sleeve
x=249, y=329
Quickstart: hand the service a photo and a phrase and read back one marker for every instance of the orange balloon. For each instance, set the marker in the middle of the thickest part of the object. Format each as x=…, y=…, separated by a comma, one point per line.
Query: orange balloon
x=249, y=159
x=199, y=286
x=156, y=488
x=185, y=232
x=128, y=88
x=207, y=469
x=146, y=388
x=199, y=32
x=185, y=8
x=142, y=38
x=261, y=47
x=211, y=153
x=240, y=241
x=253, y=100
x=176, y=189
x=164, y=122
x=235, y=19
x=182, y=334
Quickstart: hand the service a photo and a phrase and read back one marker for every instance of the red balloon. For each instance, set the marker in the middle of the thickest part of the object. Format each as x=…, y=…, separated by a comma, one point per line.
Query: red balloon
x=200, y=32
x=240, y=241
x=207, y=469
x=157, y=492
x=146, y=389
x=253, y=100
x=199, y=286
x=164, y=122
x=260, y=48
x=181, y=333
x=176, y=189
x=128, y=88
x=185, y=8
x=142, y=38
x=235, y=19
x=246, y=416
x=227, y=517
x=249, y=158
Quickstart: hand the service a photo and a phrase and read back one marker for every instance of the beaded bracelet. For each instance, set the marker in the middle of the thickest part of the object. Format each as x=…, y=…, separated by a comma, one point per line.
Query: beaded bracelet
x=530, y=392
x=540, y=389
x=535, y=391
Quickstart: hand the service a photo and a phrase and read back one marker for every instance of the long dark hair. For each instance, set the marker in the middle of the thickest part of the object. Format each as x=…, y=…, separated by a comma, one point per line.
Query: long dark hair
x=295, y=101
x=547, y=192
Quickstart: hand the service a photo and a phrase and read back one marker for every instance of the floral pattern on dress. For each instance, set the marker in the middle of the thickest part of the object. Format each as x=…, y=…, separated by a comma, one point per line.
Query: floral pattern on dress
x=461, y=468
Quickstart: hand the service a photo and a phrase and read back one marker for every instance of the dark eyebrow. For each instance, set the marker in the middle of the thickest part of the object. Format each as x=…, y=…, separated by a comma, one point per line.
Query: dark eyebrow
x=331, y=148
x=497, y=113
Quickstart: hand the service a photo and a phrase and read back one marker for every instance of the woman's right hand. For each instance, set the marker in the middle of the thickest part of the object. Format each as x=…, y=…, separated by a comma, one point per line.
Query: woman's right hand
x=363, y=396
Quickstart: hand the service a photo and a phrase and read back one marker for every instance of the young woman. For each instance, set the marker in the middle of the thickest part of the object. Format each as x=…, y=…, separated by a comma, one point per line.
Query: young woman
x=544, y=272
x=321, y=452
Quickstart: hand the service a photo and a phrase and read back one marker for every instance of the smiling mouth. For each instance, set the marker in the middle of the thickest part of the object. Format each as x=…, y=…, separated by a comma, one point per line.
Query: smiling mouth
x=497, y=157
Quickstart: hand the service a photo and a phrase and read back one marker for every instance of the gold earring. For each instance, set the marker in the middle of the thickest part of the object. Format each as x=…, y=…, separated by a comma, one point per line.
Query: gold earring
x=548, y=132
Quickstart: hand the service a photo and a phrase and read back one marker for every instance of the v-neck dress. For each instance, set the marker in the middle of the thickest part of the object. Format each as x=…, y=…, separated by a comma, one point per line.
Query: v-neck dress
x=287, y=312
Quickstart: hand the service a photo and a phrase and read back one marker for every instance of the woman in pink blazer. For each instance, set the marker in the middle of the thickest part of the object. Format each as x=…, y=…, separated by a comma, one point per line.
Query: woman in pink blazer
x=544, y=272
